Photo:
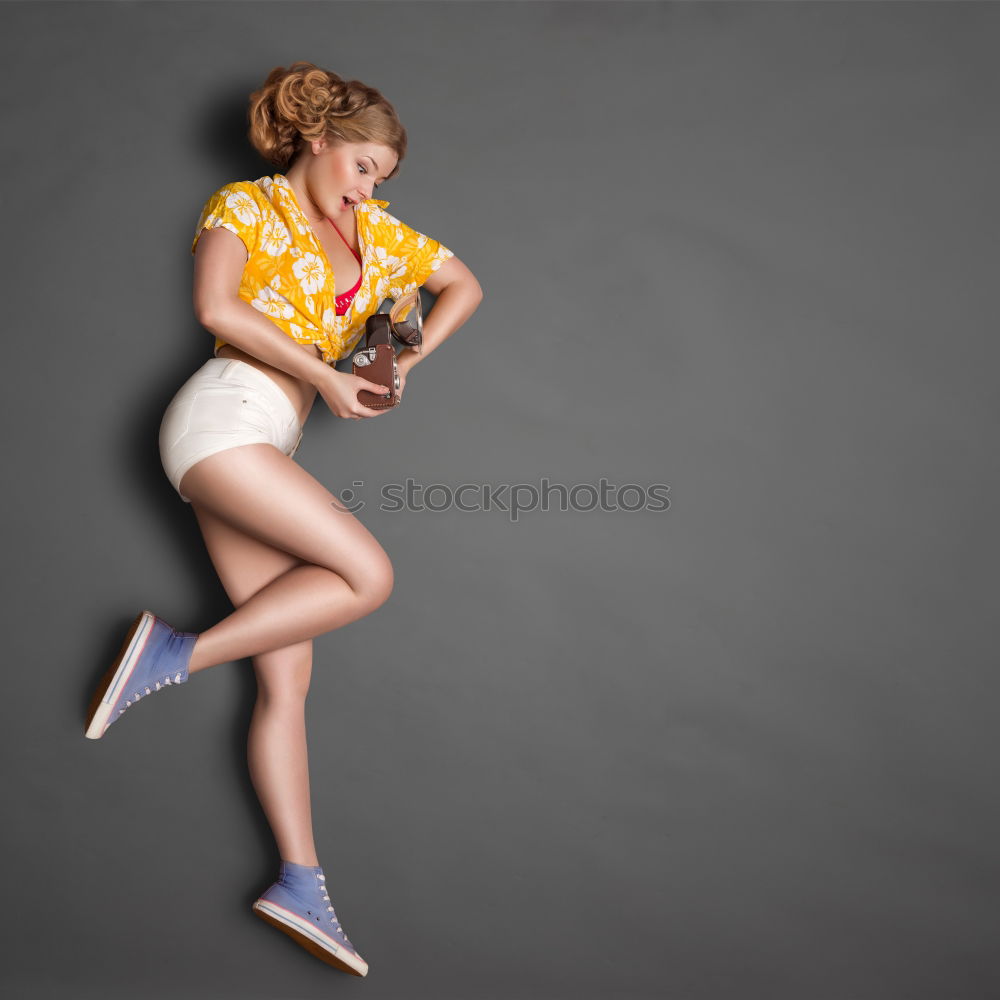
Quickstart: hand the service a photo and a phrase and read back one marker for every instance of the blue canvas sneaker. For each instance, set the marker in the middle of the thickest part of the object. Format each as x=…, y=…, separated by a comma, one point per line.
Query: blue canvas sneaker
x=299, y=905
x=152, y=657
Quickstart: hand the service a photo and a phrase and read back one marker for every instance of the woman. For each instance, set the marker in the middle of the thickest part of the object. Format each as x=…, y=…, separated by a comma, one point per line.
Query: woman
x=287, y=268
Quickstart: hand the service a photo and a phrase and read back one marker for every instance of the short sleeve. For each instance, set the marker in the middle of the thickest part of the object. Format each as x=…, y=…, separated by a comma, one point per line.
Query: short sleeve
x=419, y=255
x=234, y=208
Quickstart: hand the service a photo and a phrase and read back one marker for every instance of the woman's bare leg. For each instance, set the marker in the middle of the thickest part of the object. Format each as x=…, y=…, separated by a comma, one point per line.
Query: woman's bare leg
x=341, y=573
x=276, y=743
x=296, y=564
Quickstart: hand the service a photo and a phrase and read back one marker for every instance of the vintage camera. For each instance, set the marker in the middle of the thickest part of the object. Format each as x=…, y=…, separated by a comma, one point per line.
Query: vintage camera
x=376, y=361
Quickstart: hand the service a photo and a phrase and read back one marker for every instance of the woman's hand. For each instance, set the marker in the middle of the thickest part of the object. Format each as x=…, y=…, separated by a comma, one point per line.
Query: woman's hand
x=340, y=392
x=405, y=360
x=401, y=369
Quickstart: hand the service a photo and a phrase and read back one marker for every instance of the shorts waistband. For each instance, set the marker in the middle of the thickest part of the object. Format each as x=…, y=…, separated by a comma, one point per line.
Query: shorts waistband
x=240, y=371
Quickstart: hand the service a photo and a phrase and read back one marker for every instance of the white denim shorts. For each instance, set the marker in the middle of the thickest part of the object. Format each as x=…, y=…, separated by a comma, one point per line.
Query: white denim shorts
x=224, y=404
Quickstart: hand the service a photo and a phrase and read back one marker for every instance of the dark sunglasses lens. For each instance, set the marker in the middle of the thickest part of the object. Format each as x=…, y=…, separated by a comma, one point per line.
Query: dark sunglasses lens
x=406, y=320
x=407, y=334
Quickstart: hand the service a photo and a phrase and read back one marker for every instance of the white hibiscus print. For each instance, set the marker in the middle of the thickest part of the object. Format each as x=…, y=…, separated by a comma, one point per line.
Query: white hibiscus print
x=243, y=207
x=311, y=272
x=329, y=320
x=272, y=303
x=384, y=260
x=360, y=300
x=292, y=207
x=274, y=238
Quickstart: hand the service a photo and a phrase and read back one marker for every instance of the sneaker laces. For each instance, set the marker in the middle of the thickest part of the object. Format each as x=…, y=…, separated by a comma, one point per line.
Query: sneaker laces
x=162, y=682
x=333, y=919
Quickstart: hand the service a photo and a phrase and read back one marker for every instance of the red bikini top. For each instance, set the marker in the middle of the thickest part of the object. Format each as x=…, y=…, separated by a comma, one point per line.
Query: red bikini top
x=344, y=301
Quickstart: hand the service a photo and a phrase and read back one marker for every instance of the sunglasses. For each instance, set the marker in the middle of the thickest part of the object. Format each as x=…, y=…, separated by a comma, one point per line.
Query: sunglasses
x=406, y=320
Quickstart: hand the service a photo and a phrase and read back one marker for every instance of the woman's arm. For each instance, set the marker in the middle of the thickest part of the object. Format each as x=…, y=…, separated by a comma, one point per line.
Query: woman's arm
x=219, y=260
x=458, y=297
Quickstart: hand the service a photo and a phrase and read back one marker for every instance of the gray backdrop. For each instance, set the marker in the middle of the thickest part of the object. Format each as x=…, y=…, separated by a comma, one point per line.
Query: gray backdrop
x=744, y=747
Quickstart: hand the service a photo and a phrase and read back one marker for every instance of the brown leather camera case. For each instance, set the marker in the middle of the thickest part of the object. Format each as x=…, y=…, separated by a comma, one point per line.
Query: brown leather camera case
x=378, y=363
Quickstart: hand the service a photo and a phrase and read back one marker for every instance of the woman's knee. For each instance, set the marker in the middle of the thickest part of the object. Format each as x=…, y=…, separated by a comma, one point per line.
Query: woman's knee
x=375, y=580
x=283, y=675
x=294, y=513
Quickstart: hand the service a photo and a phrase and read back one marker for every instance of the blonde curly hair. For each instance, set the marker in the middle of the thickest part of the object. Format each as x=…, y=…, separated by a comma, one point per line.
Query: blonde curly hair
x=294, y=106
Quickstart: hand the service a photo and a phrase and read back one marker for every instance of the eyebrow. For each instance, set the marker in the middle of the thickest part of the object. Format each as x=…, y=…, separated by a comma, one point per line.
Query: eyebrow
x=372, y=158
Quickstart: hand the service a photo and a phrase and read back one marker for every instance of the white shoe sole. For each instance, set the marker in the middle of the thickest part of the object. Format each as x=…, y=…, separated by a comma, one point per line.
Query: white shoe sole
x=117, y=676
x=310, y=937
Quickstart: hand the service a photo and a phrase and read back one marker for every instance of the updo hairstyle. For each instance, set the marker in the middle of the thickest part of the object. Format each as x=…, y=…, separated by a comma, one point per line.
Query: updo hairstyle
x=302, y=103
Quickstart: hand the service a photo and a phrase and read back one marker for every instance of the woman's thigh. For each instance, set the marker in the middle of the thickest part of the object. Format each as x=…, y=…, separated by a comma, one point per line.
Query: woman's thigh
x=246, y=565
x=262, y=493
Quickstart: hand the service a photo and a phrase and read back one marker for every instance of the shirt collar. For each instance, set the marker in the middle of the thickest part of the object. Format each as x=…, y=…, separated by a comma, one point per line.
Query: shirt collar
x=283, y=180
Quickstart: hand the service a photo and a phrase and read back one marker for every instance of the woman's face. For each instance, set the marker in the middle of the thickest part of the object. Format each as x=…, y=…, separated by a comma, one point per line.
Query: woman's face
x=349, y=172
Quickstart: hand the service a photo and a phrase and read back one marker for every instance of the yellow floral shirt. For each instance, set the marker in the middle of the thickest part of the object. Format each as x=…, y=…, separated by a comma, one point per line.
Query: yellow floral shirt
x=288, y=276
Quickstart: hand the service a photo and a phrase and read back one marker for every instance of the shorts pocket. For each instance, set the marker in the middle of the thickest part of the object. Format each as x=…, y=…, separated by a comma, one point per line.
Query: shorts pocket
x=228, y=410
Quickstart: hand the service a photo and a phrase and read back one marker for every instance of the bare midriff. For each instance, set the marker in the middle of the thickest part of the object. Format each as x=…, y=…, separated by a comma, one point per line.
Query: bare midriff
x=301, y=393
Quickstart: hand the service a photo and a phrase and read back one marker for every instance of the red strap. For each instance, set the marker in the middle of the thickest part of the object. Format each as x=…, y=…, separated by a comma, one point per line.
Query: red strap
x=341, y=235
x=343, y=301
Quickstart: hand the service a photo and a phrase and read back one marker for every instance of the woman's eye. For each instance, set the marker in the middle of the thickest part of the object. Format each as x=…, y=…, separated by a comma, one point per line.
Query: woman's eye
x=364, y=170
